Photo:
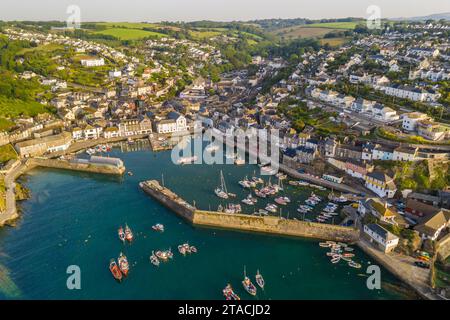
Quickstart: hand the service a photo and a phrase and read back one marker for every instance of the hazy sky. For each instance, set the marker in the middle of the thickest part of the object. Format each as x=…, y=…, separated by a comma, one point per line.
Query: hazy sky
x=224, y=10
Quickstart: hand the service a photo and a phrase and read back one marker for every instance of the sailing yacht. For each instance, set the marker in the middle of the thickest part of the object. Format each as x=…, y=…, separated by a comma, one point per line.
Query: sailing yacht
x=221, y=191
x=260, y=280
x=248, y=285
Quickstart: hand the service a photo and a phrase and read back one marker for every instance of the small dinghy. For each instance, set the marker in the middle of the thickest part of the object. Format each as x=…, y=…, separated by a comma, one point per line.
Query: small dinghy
x=259, y=280
x=354, y=264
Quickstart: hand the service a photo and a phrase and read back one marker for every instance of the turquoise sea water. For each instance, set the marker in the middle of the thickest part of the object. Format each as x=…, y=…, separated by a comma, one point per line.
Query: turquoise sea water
x=72, y=219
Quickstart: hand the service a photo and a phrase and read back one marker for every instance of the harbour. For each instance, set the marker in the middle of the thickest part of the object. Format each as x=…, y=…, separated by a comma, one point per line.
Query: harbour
x=28, y=251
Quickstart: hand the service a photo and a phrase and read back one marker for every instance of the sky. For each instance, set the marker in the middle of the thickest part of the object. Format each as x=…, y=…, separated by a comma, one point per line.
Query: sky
x=218, y=10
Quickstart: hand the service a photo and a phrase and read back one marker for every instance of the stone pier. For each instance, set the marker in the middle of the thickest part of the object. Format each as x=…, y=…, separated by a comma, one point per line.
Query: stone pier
x=243, y=222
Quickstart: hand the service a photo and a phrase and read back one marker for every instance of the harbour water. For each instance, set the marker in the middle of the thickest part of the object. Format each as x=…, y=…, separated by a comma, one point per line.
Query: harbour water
x=72, y=219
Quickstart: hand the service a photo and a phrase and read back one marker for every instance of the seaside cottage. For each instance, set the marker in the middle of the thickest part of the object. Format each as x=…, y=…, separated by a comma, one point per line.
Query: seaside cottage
x=376, y=207
x=381, y=184
x=385, y=240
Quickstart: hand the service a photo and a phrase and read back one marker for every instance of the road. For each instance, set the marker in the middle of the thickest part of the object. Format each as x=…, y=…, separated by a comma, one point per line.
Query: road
x=403, y=268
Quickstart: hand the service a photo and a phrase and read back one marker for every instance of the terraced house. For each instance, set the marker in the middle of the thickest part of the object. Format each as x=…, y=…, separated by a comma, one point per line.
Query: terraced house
x=381, y=184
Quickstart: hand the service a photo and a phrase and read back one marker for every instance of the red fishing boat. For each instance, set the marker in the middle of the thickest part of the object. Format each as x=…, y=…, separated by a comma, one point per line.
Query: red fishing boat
x=117, y=274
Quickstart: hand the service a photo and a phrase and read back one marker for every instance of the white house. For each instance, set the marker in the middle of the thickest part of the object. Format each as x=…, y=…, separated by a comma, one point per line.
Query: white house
x=382, y=153
x=385, y=240
x=92, y=132
x=405, y=154
x=92, y=62
x=111, y=132
x=381, y=184
x=362, y=105
x=115, y=73
x=77, y=134
x=384, y=114
x=175, y=122
x=410, y=120
x=432, y=226
x=414, y=94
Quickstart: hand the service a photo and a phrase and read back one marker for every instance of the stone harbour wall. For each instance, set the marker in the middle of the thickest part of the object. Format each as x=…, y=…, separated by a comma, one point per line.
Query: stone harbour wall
x=275, y=225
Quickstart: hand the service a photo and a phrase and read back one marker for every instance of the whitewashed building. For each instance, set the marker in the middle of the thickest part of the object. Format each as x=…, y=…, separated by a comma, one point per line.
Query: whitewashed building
x=385, y=240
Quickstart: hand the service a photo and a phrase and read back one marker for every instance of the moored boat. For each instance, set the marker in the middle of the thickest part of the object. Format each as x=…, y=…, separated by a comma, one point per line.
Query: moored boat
x=128, y=233
x=271, y=208
x=280, y=201
x=121, y=234
x=117, y=274
x=335, y=259
x=186, y=160
x=123, y=264
x=354, y=264
x=221, y=191
x=162, y=255
x=248, y=285
x=154, y=259
x=229, y=293
x=259, y=279
x=182, y=250
x=158, y=227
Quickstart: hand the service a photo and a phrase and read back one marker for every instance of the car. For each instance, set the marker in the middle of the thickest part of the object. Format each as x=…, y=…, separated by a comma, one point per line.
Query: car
x=422, y=264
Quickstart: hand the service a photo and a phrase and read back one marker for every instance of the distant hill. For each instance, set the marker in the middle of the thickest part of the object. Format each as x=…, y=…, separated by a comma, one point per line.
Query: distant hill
x=437, y=16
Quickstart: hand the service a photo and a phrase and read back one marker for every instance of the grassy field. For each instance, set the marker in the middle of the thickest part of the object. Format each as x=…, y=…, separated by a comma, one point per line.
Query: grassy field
x=5, y=124
x=136, y=25
x=43, y=48
x=129, y=34
x=206, y=34
x=7, y=153
x=315, y=30
x=14, y=108
x=303, y=32
x=334, y=25
x=334, y=42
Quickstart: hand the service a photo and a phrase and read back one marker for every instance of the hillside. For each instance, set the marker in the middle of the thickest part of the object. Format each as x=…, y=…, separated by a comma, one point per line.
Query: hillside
x=436, y=17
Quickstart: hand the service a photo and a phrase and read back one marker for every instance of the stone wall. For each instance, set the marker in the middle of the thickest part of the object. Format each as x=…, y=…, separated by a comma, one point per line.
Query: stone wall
x=275, y=225
x=174, y=204
x=242, y=222
x=64, y=164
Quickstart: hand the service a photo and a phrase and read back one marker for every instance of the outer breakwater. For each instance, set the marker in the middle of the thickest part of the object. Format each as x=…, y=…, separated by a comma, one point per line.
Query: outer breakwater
x=242, y=222
x=95, y=165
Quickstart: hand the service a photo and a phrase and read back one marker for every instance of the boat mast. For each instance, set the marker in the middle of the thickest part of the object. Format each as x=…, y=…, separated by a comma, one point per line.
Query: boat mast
x=222, y=182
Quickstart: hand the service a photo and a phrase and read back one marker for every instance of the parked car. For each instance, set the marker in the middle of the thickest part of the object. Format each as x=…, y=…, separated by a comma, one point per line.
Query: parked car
x=422, y=264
